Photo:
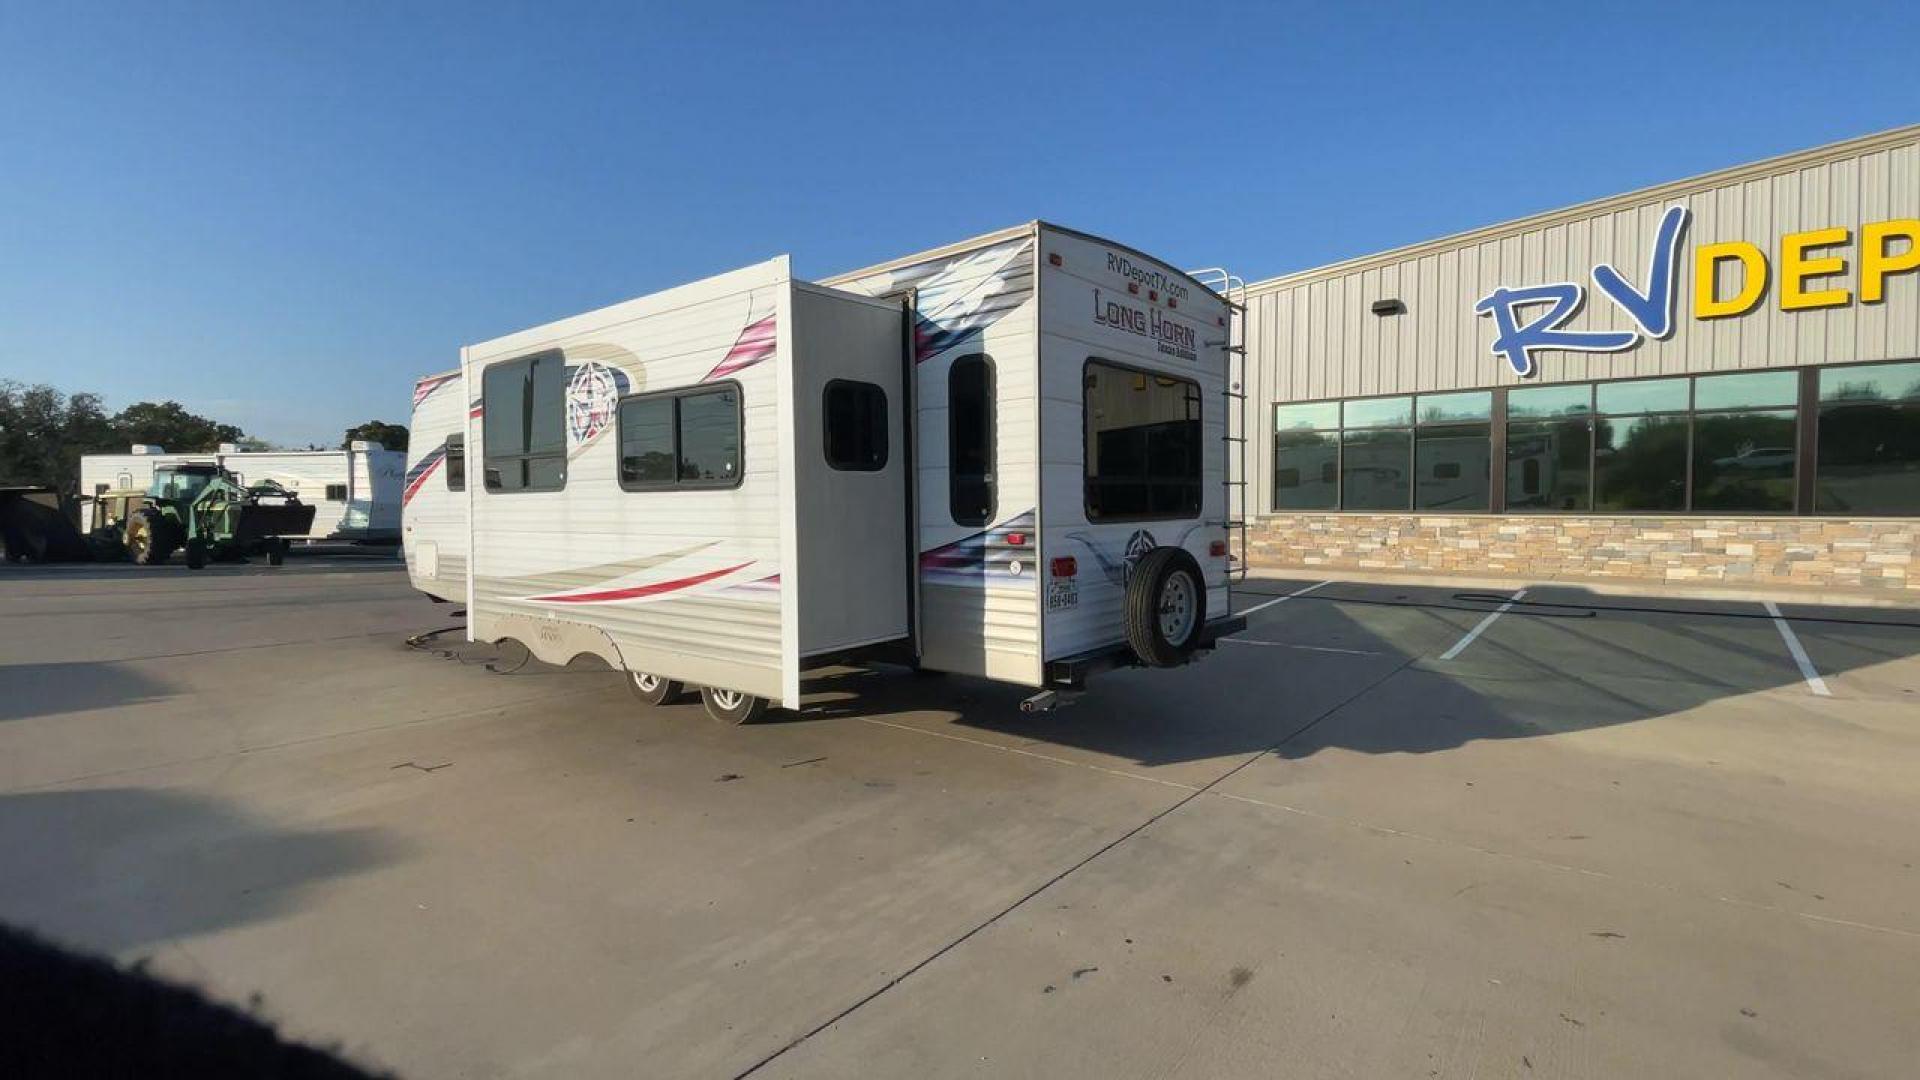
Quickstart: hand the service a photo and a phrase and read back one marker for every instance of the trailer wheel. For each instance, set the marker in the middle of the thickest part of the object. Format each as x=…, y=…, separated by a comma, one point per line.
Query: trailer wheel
x=1166, y=607
x=196, y=554
x=732, y=706
x=653, y=689
x=148, y=537
x=277, y=553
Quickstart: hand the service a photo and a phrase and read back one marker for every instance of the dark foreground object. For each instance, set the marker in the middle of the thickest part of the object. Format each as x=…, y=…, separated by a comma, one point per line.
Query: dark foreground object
x=66, y=1015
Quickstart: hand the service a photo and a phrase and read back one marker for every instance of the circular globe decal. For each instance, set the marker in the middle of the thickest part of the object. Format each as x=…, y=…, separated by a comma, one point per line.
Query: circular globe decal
x=592, y=396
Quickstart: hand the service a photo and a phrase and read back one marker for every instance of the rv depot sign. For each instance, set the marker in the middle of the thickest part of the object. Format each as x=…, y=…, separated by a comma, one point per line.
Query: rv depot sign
x=1812, y=269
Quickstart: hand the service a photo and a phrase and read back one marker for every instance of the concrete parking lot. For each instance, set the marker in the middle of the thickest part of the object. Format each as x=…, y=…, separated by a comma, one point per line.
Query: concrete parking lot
x=1384, y=832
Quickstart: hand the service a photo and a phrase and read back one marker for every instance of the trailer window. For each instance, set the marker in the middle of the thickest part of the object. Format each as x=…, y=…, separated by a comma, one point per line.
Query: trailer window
x=970, y=444
x=456, y=463
x=681, y=439
x=525, y=424
x=336, y=493
x=856, y=426
x=1142, y=444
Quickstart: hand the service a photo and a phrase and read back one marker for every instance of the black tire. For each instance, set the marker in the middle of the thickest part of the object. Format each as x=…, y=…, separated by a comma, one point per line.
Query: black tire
x=653, y=689
x=149, y=537
x=277, y=554
x=732, y=706
x=1166, y=588
x=196, y=554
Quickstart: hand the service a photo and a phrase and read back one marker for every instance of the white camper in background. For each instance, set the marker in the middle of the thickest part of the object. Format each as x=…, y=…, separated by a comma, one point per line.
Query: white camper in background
x=433, y=496
x=355, y=492
x=1004, y=458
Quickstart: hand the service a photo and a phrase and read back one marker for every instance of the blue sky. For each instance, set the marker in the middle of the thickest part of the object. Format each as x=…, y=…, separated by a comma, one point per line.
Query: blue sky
x=281, y=214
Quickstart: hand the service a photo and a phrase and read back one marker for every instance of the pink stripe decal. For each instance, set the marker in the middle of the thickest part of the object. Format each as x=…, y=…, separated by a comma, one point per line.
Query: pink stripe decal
x=413, y=488
x=756, y=343
x=425, y=387
x=636, y=591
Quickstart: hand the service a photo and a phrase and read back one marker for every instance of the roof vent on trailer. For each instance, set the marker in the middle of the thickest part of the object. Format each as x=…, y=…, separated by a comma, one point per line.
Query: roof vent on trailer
x=229, y=448
x=363, y=446
x=146, y=449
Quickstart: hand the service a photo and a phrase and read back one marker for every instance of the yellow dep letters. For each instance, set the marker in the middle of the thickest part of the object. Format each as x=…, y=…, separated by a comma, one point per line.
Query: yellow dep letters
x=1809, y=263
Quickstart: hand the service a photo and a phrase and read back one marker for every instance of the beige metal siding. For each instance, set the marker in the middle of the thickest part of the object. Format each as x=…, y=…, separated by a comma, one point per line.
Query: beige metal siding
x=1311, y=335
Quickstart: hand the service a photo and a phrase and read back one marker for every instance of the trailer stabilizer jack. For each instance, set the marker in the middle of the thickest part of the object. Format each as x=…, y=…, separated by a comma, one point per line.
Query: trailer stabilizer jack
x=1048, y=700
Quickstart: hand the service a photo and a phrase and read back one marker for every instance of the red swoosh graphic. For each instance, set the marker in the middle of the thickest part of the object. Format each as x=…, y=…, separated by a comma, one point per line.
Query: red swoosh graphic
x=407, y=496
x=638, y=590
x=756, y=342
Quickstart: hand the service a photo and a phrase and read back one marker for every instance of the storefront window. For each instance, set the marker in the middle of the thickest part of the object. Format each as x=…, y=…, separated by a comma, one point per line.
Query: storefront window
x=1549, y=464
x=1545, y=401
x=1869, y=440
x=1640, y=463
x=1306, y=456
x=1744, y=454
x=1641, y=396
x=1730, y=443
x=1374, y=463
x=1453, y=448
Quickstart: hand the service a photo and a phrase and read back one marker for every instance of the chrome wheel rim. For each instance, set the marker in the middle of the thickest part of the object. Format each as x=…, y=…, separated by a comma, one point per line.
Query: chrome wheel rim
x=728, y=699
x=1178, y=606
x=647, y=683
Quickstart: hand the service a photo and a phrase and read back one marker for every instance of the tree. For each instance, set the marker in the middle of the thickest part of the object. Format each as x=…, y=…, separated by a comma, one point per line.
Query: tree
x=168, y=424
x=43, y=433
x=391, y=436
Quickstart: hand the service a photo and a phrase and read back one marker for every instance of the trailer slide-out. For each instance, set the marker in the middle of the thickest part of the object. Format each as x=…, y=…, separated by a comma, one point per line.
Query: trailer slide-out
x=1006, y=458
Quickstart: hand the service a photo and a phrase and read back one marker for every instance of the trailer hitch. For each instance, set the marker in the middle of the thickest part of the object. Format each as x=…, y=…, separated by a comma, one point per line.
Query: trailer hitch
x=1047, y=701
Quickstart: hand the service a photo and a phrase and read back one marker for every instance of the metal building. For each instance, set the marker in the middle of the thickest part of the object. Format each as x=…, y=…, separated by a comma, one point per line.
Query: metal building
x=1717, y=378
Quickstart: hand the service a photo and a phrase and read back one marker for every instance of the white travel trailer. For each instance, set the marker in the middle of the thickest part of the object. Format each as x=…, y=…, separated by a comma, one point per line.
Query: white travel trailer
x=433, y=497
x=1006, y=458
x=355, y=492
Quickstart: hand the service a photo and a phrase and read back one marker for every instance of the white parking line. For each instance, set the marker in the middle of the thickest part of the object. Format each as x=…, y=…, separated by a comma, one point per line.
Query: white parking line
x=1284, y=599
x=1297, y=645
x=1814, y=682
x=1461, y=645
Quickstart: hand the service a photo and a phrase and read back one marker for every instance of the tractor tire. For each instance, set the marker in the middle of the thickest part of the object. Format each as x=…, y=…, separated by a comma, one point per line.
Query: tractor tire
x=653, y=689
x=732, y=706
x=1166, y=607
x=196, y=554
x=149, y=537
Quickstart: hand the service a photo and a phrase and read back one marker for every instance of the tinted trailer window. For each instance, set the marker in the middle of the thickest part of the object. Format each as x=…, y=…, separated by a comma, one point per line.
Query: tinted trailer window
x=1142, y=444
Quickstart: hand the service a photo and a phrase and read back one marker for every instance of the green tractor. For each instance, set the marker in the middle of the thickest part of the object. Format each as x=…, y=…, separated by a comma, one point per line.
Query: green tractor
x=204, y=509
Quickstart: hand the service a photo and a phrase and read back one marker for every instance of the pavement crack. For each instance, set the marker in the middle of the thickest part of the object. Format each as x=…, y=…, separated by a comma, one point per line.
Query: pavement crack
x=1192, y=793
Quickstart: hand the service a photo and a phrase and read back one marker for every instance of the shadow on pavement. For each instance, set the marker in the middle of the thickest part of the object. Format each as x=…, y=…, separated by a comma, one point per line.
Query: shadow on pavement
x=118, y=869
x=29, y=690
x=1572, y=662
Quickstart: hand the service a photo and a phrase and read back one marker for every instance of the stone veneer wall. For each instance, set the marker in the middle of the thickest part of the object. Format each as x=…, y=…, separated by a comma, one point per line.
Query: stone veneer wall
x=1870, y=554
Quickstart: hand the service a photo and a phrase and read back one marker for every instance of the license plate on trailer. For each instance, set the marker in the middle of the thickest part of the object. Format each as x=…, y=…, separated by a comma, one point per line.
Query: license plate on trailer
x=1063, y=593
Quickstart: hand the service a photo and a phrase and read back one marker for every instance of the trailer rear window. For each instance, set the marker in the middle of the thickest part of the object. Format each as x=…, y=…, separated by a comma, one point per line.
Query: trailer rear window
x=1142, y=444
x=681, y=439
x=456, y=463
x=970, y=407
x=856, y=426
x=526, y=424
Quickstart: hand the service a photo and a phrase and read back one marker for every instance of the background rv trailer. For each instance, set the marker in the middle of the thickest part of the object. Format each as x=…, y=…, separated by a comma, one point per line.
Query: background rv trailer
x=433, y=494
x=355, y=492
x=961, y=457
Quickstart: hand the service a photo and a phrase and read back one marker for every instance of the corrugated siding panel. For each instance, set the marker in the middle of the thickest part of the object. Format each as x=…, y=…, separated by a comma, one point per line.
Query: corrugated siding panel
x=1317, y=339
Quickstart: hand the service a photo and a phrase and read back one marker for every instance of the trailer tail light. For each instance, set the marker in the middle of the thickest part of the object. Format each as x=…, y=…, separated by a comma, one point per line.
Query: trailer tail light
x=1016, y=539
x=1173, y=301
x=1053, y=258
x=1153, y=294
x=1133, y=287
x=1065, y=566
x=1217, y=549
